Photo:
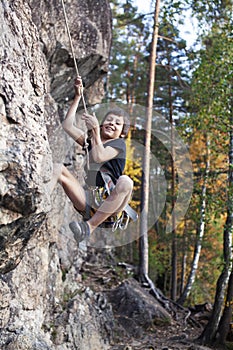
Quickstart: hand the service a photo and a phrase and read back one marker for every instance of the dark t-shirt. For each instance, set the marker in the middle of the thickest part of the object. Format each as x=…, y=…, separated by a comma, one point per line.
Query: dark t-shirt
x=114, y=167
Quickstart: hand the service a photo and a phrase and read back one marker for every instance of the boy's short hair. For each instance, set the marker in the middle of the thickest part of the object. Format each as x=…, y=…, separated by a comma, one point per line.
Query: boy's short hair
x=120, y=113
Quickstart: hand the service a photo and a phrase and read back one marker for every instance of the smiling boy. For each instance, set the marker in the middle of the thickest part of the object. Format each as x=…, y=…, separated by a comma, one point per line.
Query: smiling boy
x=107, y=156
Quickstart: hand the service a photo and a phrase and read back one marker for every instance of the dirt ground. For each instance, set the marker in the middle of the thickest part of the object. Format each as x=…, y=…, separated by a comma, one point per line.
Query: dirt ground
x=177, y=336
x=169, y=338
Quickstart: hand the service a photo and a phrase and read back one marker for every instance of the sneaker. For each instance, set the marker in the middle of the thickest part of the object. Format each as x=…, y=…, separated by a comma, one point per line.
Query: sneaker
x=80, y=230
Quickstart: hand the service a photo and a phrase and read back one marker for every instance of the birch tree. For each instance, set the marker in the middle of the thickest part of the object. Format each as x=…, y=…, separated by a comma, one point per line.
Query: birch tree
x=200, y=230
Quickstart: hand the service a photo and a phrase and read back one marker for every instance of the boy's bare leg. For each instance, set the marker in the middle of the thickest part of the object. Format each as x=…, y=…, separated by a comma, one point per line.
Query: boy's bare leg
x=116, y=202
x=72, y=188
x=57, y=169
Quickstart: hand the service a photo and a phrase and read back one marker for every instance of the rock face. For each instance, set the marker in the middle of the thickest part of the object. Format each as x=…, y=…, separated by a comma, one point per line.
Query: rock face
x=39, y=263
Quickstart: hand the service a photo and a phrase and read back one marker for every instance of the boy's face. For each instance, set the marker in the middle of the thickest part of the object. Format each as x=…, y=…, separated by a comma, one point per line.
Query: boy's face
x=112, y=127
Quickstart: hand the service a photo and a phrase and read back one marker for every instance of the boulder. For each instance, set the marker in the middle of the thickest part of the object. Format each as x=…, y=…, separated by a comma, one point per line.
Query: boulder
x=135, y=309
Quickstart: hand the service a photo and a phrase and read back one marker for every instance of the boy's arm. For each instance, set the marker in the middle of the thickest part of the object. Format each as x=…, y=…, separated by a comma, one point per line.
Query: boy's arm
x=100, y=154
x=69, y=123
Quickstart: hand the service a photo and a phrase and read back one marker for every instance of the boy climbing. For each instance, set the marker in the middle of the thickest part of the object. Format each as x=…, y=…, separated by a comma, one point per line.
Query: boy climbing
x=107, y=155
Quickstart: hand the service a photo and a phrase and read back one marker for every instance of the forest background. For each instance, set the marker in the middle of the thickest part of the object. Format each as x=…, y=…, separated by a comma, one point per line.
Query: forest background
x=192, y=264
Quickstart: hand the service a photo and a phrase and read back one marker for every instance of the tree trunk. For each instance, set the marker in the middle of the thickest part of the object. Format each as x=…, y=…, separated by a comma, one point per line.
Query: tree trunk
x=184, y=258
x=224, y=324
x=200, y=232
x=143, y=244
x=173, y=200
x=209, y=333
x=208, y=336
x=223, y=328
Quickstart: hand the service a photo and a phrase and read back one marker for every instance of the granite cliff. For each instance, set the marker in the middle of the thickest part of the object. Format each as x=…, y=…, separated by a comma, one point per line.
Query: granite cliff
x=39, y=262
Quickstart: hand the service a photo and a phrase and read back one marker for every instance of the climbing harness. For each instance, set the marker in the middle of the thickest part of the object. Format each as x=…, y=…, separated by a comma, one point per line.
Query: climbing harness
x=85, y=146
x=97, y=195
x=118, y=220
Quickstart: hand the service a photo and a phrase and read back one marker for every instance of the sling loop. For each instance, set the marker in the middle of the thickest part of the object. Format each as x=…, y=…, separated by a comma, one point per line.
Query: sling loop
x=77, y=72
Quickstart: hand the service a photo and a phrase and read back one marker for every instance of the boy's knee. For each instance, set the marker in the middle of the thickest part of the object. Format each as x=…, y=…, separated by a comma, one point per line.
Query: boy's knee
x=64, y=175
x=61, y=170
x=124, y=184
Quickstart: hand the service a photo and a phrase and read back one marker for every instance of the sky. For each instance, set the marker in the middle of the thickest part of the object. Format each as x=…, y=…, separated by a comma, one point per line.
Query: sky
x=187, y=30
x=143, y=5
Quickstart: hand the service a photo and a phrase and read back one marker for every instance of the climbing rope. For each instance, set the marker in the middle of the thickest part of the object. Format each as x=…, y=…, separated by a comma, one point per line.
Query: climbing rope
x=72, y=50
x=77, y=72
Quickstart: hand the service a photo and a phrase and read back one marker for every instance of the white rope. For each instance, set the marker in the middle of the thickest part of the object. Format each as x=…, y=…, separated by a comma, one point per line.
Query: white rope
x=72, y=50
x=77, y=72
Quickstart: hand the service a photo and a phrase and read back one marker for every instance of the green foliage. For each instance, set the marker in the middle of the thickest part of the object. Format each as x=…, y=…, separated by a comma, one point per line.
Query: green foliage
x=197, y=87
x=159, y=262
x=128, y=71
x=210, y=110
x=212, y=81
x=209, y=12
x=172, y=80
